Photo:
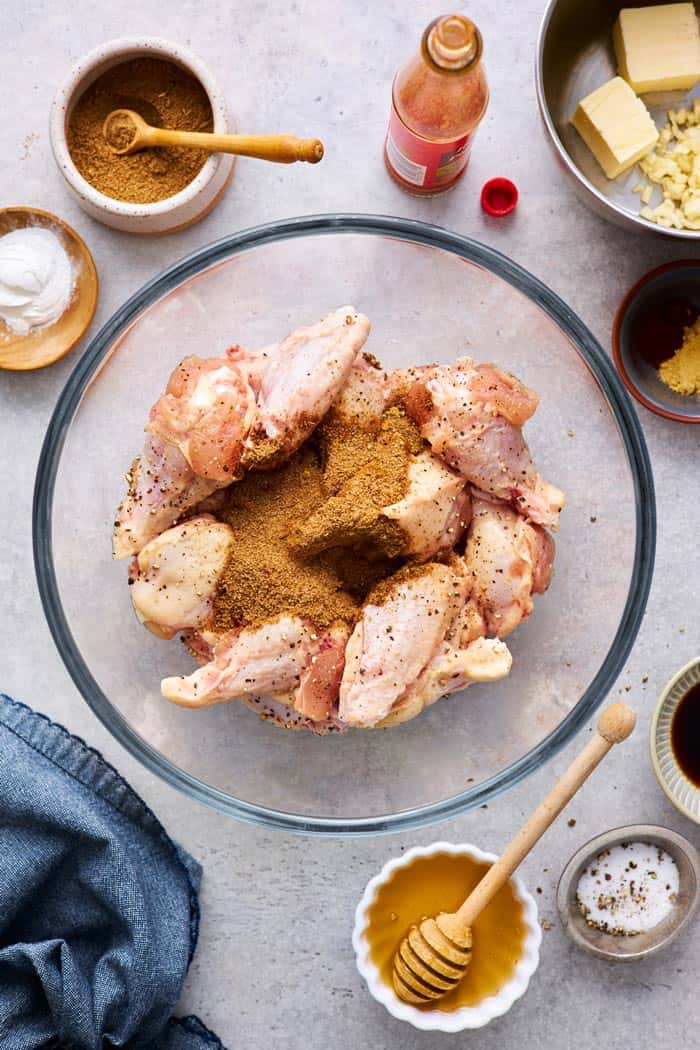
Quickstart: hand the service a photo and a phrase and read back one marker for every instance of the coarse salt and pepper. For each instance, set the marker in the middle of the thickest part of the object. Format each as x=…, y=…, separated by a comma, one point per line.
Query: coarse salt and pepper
x=628, y=889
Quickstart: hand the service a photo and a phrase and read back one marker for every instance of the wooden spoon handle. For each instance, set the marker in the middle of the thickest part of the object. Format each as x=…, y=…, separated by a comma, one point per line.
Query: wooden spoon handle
x=283, y=149
x=615, y=724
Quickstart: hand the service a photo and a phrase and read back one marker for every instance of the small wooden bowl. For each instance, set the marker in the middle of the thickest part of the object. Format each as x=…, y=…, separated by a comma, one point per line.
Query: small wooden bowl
x=43, y=346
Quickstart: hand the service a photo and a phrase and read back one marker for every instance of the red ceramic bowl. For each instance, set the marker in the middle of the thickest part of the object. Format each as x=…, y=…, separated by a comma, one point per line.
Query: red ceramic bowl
x=677, y=282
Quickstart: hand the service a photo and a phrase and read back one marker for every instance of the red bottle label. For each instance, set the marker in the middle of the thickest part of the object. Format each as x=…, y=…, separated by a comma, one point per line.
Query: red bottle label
x=423, y=163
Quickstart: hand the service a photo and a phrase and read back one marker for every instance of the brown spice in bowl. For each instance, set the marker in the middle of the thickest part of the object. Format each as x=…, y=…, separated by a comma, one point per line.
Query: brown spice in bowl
x=307, y=540
x=119, y=131
x=165, y=95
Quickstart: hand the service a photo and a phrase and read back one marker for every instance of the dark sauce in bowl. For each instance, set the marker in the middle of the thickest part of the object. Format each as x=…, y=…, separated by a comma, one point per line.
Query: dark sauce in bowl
x=685, y=735
x=658, y=328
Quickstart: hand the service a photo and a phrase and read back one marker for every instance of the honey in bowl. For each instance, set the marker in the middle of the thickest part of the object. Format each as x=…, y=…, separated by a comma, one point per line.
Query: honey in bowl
x=440, y=883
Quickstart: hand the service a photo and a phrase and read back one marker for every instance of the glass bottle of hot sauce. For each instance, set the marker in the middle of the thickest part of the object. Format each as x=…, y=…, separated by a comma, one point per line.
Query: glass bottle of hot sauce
x=438, y=99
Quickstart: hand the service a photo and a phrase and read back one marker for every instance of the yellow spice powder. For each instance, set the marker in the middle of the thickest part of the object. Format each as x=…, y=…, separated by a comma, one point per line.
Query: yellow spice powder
x=682, y=371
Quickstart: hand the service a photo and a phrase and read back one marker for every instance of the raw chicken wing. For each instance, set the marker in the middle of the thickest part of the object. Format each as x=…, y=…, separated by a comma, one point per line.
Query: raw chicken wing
x=452, y=668
x=435, y=510
x=207, y=410
x=464, y=656
x=472, y=416
x=402, y=626
x=277, y=659
x=304, y=377
x=508, y=560
x=174, y=577
x=162, y=487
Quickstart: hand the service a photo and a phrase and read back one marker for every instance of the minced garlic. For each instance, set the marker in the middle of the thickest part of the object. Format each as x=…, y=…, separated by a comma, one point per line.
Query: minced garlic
x=682, y=371
x=674, y=166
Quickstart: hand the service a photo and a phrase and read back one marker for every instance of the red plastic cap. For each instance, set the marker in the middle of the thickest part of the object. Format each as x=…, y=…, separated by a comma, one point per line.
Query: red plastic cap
x=499, y=197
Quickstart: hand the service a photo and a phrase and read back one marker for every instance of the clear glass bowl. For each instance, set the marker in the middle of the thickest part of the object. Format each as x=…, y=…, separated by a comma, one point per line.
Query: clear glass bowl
x=430, y=295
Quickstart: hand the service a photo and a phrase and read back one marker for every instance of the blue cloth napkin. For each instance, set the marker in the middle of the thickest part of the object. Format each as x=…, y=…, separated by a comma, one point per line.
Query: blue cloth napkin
x=98, y=907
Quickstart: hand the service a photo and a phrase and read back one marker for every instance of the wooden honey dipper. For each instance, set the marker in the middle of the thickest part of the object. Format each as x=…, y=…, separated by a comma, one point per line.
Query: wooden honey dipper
x=433, y=957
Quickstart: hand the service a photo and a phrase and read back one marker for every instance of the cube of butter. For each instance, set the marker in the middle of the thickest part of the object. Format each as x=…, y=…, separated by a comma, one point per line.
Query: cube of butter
x=658, y=48
x=616, y=126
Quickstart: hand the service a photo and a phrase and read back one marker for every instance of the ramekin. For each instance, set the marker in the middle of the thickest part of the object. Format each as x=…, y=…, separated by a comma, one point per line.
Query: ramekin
x=682, y=792
x=606, y=945
x=467, y=1016
x=173, y=213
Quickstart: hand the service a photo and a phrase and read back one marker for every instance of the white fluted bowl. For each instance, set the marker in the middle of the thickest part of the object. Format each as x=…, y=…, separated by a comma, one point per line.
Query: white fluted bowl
x=466, y=1016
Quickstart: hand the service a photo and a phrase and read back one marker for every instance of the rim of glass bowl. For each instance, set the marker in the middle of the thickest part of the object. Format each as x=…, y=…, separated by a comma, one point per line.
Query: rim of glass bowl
x=399, y=229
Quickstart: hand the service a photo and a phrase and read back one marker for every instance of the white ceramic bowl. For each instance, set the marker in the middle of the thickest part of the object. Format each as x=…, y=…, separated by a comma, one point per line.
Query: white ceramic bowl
x=467, y=1016
x=173, y=213
x=682, y=792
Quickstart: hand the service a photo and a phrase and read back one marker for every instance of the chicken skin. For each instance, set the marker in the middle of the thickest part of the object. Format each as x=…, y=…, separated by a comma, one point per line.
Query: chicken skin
x=471, y=416
x=435, y=510
x=407, y=649
x=400, y=629
x=451, y=669
x=252, y=364
x=304, y=377
x=362, y=398
x=508, y=560
x=174, y=577
x=288, y=660
x=207, y=411
x=162, y=487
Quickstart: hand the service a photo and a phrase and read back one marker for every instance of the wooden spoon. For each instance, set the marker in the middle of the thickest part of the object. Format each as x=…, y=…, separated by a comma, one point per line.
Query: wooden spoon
x=433, y=957
x=283, y=149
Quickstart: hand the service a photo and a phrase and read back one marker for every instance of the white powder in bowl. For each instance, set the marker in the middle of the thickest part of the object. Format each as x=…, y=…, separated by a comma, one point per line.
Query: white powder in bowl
x=36, y=278
x=629, y=888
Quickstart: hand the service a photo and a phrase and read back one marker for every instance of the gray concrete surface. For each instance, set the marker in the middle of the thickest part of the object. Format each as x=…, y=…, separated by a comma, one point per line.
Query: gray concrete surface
x=267, y=972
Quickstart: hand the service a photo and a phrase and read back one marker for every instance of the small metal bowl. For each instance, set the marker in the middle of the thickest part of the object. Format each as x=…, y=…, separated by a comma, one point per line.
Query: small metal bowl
x=630, y=949
x=574, y=56
x=674, y=281
x=683, y=794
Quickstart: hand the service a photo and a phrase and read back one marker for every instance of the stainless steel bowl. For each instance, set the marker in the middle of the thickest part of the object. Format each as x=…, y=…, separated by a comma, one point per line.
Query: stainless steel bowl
x=574, y=56
x=630, y=949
